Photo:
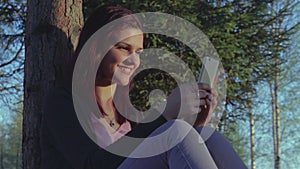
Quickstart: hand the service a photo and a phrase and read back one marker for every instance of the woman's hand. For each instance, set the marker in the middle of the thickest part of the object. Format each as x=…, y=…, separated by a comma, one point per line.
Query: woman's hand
x=204, y=117
x=192, y=103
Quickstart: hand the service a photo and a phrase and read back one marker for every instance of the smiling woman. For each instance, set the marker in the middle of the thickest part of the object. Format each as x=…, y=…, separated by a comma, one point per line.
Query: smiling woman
x=77, y=140
x=121, y=60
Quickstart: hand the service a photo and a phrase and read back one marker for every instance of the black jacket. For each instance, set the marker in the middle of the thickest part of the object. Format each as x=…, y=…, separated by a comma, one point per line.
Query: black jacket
x=65, y=145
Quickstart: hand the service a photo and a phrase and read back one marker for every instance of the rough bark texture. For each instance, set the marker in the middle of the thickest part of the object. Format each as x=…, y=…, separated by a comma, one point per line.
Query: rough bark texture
x=52, y=29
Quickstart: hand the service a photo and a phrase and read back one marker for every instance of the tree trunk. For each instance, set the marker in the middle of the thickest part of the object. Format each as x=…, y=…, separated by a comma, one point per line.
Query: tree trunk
x=1, y=157
x=52, y=30
x=277, y=31
x=252, y=135
x=277, y=123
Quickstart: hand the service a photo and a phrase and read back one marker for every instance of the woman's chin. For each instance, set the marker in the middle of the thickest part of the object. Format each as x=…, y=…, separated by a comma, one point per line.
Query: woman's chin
x=122, y=82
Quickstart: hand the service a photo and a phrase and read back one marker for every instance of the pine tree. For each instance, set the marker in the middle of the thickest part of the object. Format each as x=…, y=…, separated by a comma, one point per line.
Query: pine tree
x=52, y=29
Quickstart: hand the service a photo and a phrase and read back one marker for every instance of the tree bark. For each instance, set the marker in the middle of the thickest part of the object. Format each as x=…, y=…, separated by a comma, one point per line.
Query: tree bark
x=277, y=33
x=252, y=135
x=277, y=120
x=1, y=157
x=52, y=30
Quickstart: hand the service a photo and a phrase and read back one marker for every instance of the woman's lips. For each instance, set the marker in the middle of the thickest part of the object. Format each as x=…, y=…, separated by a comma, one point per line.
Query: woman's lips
x=125, y=69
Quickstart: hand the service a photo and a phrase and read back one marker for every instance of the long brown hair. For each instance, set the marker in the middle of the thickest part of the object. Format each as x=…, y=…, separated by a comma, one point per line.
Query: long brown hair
x=99, y=18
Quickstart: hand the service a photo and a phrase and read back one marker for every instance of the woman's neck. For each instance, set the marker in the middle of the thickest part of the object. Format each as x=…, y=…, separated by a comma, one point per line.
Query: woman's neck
x=104, y=96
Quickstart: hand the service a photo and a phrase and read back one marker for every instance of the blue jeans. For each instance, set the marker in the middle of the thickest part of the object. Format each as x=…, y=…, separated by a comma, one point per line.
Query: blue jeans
x=200, y=148
x=182, y=148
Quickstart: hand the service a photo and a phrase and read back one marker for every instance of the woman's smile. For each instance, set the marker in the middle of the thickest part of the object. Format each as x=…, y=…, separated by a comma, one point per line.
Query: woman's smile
x=126, y=69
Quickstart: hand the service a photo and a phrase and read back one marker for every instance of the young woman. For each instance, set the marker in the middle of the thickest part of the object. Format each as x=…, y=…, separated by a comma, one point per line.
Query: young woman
x=87, y=140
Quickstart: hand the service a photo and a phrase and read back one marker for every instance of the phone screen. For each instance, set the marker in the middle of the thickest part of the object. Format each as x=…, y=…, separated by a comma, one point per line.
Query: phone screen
x=208, y=70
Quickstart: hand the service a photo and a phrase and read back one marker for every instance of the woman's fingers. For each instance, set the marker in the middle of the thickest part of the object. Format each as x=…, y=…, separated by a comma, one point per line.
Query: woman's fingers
x=204, y=94
x=208, y=93
x=187, y=99
x=204, y=86
x=214, y=92
x=201, y=102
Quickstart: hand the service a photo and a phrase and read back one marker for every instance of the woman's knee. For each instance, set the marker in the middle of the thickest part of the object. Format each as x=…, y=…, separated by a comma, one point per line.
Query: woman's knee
x=206, y=132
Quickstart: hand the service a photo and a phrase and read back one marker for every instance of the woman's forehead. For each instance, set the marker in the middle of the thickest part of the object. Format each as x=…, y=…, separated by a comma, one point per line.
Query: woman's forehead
x=130, y=35
x=128, y=32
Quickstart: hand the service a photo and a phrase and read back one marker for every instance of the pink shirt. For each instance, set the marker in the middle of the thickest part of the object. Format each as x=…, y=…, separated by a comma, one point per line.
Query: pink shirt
x=106, y=135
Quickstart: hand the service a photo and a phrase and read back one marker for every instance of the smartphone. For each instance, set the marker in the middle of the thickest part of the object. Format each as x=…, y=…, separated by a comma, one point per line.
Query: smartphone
x=208, y=70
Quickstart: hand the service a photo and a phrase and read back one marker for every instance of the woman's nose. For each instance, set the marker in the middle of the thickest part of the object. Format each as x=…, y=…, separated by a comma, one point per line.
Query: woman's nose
x=133, y=58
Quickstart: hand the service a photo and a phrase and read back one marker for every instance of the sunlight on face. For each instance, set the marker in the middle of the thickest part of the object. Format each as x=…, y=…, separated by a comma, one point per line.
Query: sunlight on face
x=122, y=59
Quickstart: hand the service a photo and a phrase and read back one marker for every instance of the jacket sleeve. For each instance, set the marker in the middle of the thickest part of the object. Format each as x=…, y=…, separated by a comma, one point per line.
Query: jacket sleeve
x=67, y=137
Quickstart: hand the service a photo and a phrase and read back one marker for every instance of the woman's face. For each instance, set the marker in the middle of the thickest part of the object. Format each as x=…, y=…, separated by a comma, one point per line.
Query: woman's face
x=122, y=59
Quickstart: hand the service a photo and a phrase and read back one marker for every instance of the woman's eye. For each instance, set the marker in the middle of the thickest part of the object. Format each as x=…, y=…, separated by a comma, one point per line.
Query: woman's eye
x=122, y=47
x=139, y=52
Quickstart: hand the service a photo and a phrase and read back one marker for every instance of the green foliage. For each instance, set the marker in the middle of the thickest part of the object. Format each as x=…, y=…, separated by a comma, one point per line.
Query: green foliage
x=240, y=32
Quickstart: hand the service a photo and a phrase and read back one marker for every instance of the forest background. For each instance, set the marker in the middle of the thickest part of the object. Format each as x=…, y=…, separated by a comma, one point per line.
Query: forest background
x=257, y=41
